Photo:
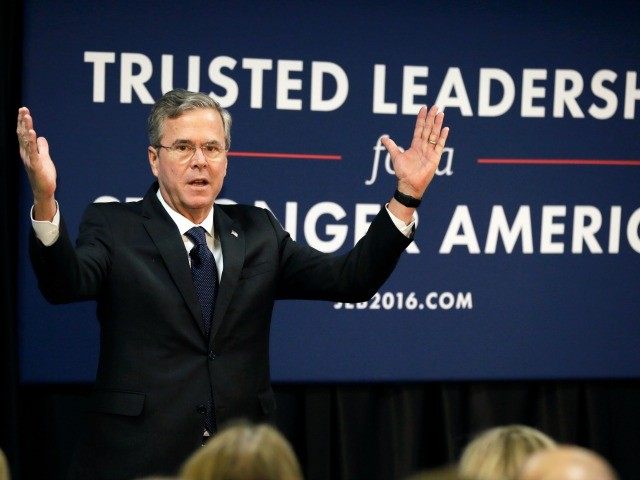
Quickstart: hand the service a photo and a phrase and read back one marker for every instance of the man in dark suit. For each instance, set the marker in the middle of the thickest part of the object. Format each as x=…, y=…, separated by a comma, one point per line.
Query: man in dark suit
x=170, y=368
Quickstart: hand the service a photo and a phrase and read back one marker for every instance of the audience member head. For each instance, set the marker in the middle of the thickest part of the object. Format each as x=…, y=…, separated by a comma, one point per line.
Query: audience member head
x=4, y=467
x=500, y=452
x=244, y=452
x=567, y=463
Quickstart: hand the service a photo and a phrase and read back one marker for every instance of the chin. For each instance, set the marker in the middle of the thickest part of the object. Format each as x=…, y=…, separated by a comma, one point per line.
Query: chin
x=201, y=200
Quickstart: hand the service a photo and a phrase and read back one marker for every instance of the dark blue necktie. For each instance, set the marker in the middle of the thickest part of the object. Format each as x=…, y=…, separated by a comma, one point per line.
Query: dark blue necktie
x=205, y=279
x=205, y=275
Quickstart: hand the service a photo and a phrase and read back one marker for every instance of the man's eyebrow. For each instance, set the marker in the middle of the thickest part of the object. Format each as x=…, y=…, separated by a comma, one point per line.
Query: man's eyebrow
x=186, y=140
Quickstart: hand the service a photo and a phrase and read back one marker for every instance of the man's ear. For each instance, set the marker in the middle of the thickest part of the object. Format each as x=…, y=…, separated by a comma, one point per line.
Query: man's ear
x=152, y=153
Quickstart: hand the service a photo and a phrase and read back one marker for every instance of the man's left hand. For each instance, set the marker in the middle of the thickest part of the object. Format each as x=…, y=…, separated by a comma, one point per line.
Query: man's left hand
x=416, y=166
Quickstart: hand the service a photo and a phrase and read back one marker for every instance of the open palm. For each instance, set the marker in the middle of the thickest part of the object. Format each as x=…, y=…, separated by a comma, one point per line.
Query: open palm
x=416, y=166
x=34, y=153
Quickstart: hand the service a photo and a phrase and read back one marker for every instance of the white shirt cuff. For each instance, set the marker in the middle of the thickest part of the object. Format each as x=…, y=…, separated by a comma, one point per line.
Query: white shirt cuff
x=405, y=228
x=47, y=232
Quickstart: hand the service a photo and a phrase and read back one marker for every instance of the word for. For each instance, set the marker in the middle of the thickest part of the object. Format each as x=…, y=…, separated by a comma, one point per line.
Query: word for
x=444, y=168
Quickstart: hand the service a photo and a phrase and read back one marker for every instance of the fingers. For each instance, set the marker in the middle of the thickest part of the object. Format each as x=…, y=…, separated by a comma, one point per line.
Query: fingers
x=431, y=117
x=30, y=147
x=434, y=134
x=421, y=122
x=442, y=140
x=25, y=123
x=30, y=144
x=22, y=111
x=25, y=131
x=427, y=130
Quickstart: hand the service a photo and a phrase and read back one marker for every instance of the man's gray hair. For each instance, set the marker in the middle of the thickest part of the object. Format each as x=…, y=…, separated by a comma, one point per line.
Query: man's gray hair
x=176, y=102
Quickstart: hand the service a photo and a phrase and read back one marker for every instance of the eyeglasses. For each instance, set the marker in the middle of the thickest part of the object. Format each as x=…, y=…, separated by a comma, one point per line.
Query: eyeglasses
x=184, y=151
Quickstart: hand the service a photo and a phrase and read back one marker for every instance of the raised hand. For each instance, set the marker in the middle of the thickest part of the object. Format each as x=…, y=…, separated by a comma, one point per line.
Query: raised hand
x=416, y=166
x=40, y=169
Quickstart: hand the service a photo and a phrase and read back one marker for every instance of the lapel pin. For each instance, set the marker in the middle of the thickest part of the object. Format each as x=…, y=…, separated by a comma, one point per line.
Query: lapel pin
x=234, y=233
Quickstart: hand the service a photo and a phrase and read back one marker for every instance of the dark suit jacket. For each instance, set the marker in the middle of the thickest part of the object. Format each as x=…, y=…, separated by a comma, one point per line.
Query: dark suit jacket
x=156, y=367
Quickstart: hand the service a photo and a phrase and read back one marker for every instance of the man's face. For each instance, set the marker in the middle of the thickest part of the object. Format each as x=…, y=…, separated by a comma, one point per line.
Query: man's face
x=190, y=186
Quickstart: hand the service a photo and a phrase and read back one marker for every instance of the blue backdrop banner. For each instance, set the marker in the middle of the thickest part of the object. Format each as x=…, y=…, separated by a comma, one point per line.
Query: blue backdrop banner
x=526, y=258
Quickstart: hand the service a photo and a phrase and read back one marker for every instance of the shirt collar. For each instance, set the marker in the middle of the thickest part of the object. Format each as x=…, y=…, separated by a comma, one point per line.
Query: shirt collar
x=182, y=222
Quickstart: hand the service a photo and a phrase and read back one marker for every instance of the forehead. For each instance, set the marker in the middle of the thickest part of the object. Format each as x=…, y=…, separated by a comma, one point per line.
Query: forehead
x=202, y=124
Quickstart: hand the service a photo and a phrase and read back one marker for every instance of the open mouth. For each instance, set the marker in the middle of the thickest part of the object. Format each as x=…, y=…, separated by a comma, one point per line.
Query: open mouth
x=199, y=183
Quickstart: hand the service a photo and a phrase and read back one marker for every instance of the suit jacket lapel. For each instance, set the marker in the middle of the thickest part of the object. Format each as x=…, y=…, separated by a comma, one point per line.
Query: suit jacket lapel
x=165, y=236
x=232, y=243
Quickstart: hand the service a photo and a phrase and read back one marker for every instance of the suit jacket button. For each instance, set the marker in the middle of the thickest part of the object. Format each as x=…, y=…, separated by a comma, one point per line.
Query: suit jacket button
x=212, y=355
x=201, y=409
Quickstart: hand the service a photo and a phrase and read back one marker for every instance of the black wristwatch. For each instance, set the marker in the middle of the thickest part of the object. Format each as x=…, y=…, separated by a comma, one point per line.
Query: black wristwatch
x=406, y=200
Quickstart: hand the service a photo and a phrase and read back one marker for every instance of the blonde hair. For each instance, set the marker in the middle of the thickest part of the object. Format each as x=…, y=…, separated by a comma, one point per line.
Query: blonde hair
x=4, y=467
x=567, y=461
x=499, y=453
x=244, y=452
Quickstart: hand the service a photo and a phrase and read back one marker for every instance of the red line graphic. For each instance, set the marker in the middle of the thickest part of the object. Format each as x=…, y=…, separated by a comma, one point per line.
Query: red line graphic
x=557, y=161
x=301, y=156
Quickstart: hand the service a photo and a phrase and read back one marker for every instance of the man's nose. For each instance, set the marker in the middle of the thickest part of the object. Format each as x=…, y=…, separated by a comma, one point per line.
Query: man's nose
x=198, y=156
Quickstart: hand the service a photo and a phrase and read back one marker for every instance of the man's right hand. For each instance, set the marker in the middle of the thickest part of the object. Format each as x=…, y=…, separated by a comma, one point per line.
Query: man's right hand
x=41, y=171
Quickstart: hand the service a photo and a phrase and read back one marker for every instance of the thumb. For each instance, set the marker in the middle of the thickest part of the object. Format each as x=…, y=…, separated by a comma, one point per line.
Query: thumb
x=43, y=146
x=390, y=145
